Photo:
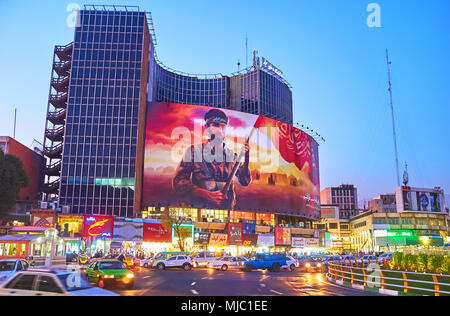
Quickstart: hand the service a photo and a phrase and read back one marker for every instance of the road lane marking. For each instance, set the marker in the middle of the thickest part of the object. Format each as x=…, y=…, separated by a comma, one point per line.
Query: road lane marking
x=193, y=283
x=146, y=277
x=195, y=292
x=263, y=285
x=273, y=291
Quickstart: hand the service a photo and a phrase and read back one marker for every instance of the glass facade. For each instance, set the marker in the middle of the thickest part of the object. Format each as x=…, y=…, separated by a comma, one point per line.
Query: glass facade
x=100, y=145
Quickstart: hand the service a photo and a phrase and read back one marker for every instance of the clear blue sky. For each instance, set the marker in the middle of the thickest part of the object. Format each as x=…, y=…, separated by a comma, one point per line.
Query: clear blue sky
x=334, y=61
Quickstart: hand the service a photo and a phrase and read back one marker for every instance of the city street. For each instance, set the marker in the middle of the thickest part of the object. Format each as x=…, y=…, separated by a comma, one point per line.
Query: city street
x=203, y=282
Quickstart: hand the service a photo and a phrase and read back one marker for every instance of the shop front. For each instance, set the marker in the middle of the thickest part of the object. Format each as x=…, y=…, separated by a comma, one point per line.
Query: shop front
x=156, y=239
x=128, y=233
x=282, y=239
x=98, y=234
x=265, y=243
x=47, y=249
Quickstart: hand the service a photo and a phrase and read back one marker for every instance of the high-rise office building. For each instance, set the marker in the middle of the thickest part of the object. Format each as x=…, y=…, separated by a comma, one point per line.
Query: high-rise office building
x=100, y=85
x=345, y=196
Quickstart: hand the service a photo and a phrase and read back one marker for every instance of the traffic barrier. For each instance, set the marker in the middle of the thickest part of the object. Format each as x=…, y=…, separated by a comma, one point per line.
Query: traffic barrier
x=372, y=277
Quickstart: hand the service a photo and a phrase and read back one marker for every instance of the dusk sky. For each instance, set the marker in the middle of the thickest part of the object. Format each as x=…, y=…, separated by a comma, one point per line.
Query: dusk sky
x=334, y=61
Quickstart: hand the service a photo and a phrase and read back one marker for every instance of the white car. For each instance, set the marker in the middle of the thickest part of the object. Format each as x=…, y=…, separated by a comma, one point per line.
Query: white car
x=184, y=262
x=203, y=258
x=147, y=263
x=9, y=267
x=227, y=262
x=50, y=283
x=291, y=264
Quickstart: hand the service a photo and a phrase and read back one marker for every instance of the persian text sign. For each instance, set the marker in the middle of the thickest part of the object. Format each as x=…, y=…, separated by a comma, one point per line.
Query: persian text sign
x=218, y=239
x=298, y=242
x=235, y=231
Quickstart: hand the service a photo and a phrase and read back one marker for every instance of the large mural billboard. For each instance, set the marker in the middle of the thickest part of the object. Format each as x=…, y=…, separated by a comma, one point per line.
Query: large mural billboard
x=202, y=157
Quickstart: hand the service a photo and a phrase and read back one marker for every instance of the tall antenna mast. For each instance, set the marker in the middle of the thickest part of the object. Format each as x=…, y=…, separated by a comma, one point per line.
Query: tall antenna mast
x=393, y=118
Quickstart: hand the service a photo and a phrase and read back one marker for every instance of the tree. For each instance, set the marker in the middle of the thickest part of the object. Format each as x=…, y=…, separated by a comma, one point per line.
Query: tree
x=170, y=220
x=12, y=179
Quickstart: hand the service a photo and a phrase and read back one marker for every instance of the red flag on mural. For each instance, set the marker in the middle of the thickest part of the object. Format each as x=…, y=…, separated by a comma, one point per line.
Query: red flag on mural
x=293, y=144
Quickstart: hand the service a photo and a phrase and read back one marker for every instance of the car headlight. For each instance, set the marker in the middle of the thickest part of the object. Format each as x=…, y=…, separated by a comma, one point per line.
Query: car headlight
x=319, y=265
x=130, y=276
x=307, y=265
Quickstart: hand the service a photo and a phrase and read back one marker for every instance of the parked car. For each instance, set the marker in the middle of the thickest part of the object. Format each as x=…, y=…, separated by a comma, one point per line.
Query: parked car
x=227, y=262
x=184, y=262
x=109, y=272
x=49, y=283
x=385, y=257
x=9, y=267
x=270, y=262
x=366, y=260
x=147, y=263
x=314, y=264
x=291, y=264
x=202, y=258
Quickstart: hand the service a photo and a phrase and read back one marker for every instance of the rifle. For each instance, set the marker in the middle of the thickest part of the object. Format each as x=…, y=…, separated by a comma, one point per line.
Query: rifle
x=237, y=163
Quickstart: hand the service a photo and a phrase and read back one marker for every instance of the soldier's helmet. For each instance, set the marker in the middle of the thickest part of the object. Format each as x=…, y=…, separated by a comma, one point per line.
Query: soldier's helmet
x=216, y=116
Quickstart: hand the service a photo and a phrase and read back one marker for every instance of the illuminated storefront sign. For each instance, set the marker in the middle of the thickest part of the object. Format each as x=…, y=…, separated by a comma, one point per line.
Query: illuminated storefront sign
x=185, y=231
x=98, y=226
x=155, y=232
x=201, y=238
x=250, y=240
x=235, y=232
x=266, y=240
x=298, y=242
x=218, y=239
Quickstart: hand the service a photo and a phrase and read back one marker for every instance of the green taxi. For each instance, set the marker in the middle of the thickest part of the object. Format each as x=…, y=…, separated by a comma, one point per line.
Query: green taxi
x=110, y=273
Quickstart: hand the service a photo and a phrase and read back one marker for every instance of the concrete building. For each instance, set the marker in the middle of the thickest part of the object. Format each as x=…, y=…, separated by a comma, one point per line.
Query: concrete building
x=344, y=196
x=385, y=203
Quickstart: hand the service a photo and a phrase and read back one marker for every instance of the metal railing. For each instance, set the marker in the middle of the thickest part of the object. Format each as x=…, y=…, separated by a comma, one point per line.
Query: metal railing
x=374, y=276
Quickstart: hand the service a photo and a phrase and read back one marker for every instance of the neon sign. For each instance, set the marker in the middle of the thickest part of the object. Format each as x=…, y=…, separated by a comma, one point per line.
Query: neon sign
x=98, y=226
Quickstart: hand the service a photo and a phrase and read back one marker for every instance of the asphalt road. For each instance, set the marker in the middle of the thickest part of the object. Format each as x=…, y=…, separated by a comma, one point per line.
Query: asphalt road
x=204, y=282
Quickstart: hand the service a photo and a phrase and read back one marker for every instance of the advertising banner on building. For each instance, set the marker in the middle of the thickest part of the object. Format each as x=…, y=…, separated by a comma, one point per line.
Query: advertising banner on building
x=43, y=218
x=250, y=240
x=201, y=238
x=266, y=240
x=128, y=231
x=249, y=226
x=218, y=239
x=155, y=232
x=298, y=242
x=98, y=227
x=186, y=144
x=235, y=232
x=312, y=242
x=282, y=236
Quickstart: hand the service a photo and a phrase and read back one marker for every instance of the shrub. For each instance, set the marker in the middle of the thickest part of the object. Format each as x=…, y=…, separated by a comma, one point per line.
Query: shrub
x=396, y=263
x=409, y=263
x=434, y=263
x=422, y=262
x=445, y=266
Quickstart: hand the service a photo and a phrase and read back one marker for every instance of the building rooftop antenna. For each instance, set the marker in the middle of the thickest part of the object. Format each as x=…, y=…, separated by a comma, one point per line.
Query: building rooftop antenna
x=393, y=118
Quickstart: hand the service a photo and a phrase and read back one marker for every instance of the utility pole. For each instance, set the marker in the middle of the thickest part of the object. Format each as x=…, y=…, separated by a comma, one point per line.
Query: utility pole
x=393, y=118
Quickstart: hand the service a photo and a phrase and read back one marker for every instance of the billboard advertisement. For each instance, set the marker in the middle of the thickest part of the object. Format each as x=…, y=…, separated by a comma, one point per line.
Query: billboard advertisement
x=155, y=232
x=128, y=230
x=282, y=236
x=420, y=200
x=266, y=240
x=98, y=226
x=250, y=240
x=202, y=157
